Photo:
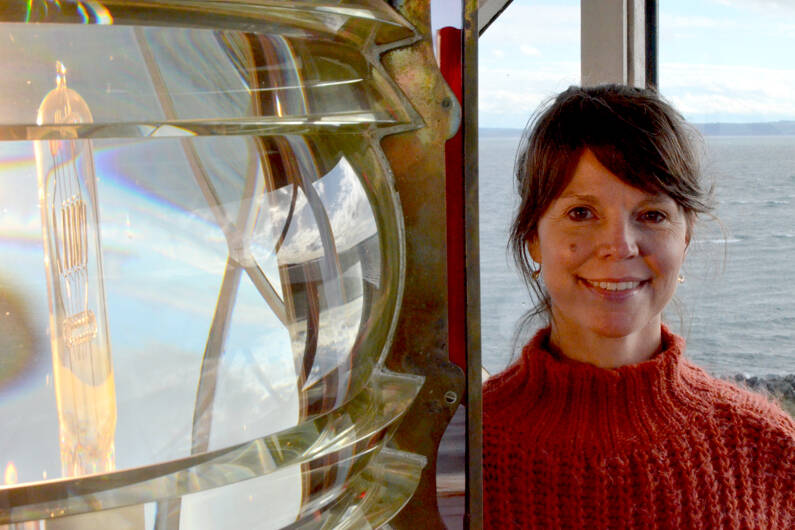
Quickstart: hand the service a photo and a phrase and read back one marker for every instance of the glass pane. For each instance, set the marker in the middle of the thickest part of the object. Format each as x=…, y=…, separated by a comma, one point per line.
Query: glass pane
x=530, y=53
x=728, y=68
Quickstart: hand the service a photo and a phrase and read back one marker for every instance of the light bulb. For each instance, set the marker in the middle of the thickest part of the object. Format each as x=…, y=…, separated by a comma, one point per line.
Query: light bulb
x=83, y=373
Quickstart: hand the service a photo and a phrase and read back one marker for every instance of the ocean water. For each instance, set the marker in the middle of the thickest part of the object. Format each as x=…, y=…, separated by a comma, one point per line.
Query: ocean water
x=736, y=308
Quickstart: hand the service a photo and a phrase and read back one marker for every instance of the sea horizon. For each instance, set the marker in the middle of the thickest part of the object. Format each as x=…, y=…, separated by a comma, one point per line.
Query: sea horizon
x=757, y=128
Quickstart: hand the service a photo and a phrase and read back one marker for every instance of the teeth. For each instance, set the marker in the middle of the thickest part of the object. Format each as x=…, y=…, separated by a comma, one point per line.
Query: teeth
x=616, y=286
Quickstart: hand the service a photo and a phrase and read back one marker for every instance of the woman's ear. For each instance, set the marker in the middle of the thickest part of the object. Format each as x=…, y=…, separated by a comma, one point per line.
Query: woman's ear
x=533, y=248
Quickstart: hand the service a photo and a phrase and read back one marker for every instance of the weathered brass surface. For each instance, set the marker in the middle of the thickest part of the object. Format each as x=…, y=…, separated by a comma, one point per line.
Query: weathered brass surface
x=420, y=344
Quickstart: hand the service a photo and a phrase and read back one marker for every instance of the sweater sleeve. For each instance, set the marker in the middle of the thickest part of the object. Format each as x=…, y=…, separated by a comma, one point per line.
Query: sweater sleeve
x=764, y=440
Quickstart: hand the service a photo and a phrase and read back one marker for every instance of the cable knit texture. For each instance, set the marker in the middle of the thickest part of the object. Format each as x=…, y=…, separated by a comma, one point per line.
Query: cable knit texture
x=659, y=444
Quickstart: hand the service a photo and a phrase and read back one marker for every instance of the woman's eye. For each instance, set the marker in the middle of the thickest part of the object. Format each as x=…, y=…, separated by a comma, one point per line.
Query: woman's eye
x=579, y=213
x=653, y=216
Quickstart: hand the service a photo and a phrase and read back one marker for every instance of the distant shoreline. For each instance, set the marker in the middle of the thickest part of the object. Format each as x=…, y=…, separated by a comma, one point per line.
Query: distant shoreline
x=768, y=128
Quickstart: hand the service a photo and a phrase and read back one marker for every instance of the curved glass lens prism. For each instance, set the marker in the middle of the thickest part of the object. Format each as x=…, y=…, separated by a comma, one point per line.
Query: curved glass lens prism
x=203, y=258
x=297, y=456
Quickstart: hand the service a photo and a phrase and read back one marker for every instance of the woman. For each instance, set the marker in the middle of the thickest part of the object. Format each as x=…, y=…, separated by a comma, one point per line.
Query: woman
x=602, y=422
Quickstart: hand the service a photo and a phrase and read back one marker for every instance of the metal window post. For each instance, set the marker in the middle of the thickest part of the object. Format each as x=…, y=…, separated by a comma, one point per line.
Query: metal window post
x=474, y=490
x=614, y=42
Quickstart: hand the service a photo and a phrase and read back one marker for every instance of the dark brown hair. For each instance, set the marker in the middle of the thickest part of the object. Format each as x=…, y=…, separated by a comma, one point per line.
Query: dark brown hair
x=633, y=132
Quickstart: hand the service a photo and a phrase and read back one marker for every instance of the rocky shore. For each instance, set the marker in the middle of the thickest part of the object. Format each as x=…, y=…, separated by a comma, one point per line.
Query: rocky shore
x=779, y=387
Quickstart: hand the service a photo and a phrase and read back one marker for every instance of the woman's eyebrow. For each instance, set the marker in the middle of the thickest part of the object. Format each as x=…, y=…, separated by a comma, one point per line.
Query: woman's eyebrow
x=659, y=198
x=584, y=197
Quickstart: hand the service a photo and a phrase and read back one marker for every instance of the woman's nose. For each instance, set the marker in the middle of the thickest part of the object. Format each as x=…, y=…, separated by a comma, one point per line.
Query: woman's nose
x=618, y=240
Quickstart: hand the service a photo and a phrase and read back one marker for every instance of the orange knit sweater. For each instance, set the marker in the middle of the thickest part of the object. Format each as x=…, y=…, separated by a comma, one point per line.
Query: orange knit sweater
x=659, y=444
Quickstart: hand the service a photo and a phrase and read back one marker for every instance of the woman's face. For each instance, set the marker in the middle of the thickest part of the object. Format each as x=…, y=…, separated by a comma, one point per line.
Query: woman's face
x=610, y=254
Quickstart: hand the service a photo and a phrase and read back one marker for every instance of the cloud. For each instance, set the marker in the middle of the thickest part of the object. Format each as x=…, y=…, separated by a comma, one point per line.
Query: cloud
x=708, y=92
x=527, y=54
x=702, y=92
x=511, y=86
x=678, y=22
x=764, y=5
x=786, y=28
x=550, y=27
x=507, y=97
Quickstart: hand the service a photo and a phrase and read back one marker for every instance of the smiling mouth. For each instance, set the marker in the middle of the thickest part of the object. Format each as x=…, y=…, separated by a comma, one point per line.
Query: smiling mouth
x=614, y=286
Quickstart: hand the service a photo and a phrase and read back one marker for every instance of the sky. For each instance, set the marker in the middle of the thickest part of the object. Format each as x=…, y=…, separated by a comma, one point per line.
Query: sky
x=720, y=60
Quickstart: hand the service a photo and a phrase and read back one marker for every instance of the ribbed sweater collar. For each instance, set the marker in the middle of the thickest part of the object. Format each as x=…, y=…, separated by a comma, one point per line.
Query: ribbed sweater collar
x=580, y=406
